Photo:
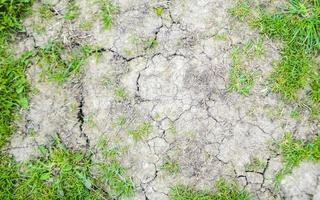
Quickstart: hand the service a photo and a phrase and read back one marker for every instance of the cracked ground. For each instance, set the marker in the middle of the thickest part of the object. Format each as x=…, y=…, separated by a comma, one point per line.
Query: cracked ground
x=177, y=87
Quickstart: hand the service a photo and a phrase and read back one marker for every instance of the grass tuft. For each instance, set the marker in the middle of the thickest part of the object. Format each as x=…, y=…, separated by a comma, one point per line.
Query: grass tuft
x=72, y=11
x=107, y=10
x=294, y=151
x=60, y=173
x=171, y=166
x=13, y=82
x=141, y=131
x=297, y=25
x=224, y=191
x=241, y=10
x=240, y=79
x=291, y=74
x=255, y=165
x=159, y=10
x=59, y=62
x=46, y=11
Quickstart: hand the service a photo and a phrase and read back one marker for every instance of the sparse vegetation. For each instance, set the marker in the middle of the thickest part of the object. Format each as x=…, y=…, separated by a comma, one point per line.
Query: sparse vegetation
x=46, y=11
x=224, y=191
x=221, y=37
x=240, y=79
x=60, y=62
x=297, y=26
x=141, y=131
x=72, y=11
x=241, y=10
x=121, y=121
x=295, y=114
x=152, y=43
x=121, y=93
x=294, y=151
x=171, y=166
x=159, y=11
x=107, y=10
x=255, y=165
x=86, y=25
x=254, y=48
x=172, y=128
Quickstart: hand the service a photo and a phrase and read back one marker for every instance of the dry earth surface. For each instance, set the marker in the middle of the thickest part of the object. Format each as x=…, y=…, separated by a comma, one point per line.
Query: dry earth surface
x=175, y=91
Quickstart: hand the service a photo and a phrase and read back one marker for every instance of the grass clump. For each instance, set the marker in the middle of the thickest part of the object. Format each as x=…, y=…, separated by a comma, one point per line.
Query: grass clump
x=13, y=82
x=141, y=131
x=158, y=10
x=60, y=173
x=292, y=73
x=72, y=11
x=107, y=10
x=46, y=11
x=152, y=43
x=8, y=176
x=294, y=151
x=255, y=165
x=171, y=166
x=11, y=12
x=121, y=93
x=240, y=79
x=224, y=191
x=241, y=10
x=13, y=91
x=297, y=25
x=112, y=173
x=221, y=37
x=59, y=62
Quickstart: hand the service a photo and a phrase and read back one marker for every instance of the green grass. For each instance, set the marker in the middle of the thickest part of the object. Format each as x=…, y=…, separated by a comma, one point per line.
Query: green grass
x=122, y=121
x=13, y=91
x=171, y=166
x=294, y=151
x=121, y=93
x=255, y=165
x=291, y=74
x=241, y=80
x=11, y=12
x=297, y=23
x=241, y=10
x=107, y=11
x=158, y=10
x=152, y=43
x=13, y=82
x=297, y=26
x=112, y=172
x=46, y=11
x=221, y=37
x=254, y=48
x=295, y=114
x=141, y=131
x=63, y=174
x=8, y=176
x=224, y=191
x=72, y=11
x=59, y=62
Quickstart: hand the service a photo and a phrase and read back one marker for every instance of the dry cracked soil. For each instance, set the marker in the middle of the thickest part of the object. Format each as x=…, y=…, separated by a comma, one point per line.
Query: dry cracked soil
x=175, y=92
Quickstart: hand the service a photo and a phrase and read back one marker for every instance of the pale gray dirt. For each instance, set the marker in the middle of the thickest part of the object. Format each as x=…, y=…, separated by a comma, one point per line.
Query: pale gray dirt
x=180, y=87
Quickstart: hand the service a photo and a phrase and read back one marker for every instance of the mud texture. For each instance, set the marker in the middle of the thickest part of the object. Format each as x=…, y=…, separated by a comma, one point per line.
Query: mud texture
x=178, y=87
